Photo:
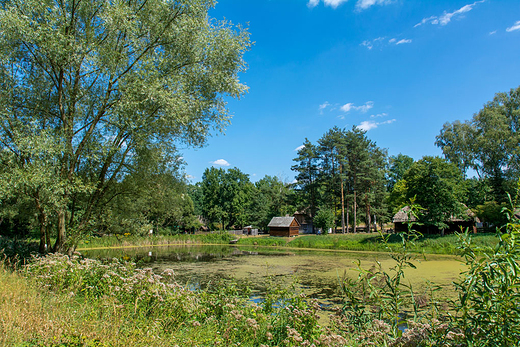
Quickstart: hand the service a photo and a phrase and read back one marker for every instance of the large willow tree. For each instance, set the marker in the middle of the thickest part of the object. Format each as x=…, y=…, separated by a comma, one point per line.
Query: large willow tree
x=89, y=87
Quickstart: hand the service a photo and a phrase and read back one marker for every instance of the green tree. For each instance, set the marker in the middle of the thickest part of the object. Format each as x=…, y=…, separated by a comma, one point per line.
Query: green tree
x=271, y=198
x=89, y=86
x=437, y=186
x=398, y=164
x=365, y=172
x=489, y=143
x=324, y=220
x=226, y=197
x=332, y=154
x=307, y=177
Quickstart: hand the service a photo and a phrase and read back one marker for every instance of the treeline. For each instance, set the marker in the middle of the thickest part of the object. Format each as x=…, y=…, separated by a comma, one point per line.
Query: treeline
x=345, y=180
x=228, y=199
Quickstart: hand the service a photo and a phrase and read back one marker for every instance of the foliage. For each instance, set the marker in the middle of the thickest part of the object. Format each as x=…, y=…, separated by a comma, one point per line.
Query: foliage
x=489, y=294
x=270, y=198
x=343, y=171
x=306, y=184
x=92, y=89
x=438, y=187
x=488, y=143
x=399, y=164
x=324, y=220
x=492, y=214
x=226, y=197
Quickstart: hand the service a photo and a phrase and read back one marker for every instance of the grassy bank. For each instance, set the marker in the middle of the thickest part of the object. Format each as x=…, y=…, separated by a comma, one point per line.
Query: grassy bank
x=430, y=244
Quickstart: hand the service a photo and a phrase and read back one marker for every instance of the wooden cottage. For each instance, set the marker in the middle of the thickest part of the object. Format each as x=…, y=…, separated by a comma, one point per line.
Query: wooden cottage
x=284, y=226
x=469, y=220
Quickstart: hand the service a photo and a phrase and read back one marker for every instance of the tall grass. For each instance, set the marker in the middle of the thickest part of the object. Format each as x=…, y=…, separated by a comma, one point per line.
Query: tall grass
x=132, y=240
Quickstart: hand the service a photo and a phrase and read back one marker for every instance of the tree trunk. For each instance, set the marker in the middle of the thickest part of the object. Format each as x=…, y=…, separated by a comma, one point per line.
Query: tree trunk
x=355, y=213
x=43, y=245
x=347, y=221
x=369, y=219
x=59, y=246
x=48, y=236
x=342, y=203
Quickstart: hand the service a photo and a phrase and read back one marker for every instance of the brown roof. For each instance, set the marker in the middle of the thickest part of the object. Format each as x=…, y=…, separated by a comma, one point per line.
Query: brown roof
x=282, y=222
x=402, y=216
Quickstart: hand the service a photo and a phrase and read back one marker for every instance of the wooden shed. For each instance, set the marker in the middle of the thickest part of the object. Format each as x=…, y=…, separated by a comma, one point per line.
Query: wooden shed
x=284, y=226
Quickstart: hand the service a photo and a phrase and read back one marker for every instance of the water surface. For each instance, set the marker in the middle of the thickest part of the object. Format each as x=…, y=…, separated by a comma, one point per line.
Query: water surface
x=316, y=273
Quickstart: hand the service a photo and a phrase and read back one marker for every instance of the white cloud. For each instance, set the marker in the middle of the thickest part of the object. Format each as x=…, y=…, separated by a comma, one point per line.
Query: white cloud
x=313, y=3
x=364, y=4
x=426, y=20
x=392, y=40
x=370, y=124
x=220, y=162
x=400, y=42
x=367, y=125
x=323, y=106
x=331, y=3
x=363, y=108
x=515, y=26
x=379, y=115
x=446, y=17
x=370, y=44
x=493, y=32
x=347, y=107
x=299, y=148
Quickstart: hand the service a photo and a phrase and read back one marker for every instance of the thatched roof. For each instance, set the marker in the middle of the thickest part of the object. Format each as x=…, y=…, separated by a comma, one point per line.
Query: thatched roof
x=402, y=216
x=282, y=222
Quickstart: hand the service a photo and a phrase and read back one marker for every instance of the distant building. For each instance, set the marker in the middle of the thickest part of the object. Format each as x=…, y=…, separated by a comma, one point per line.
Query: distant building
x=306, y=225
x=284, y=226
x=469, y=220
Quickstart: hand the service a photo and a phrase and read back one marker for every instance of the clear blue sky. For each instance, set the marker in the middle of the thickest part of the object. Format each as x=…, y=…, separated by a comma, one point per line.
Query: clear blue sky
x=397, y=68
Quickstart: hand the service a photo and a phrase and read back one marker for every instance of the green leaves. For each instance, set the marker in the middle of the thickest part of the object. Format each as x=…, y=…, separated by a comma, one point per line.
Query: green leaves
x=488, y=143
x=490, y=292
x=96, y=85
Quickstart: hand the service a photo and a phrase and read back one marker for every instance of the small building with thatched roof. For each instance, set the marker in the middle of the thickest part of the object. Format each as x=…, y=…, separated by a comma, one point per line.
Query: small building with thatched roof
x=401, y=220
x=284, y=226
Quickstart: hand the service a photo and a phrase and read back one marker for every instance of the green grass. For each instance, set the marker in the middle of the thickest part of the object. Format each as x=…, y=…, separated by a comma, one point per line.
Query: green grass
x=430, y=244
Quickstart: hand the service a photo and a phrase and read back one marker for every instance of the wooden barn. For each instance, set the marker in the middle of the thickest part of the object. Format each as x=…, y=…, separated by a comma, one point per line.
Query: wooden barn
x=454, y=223
x=284, y=226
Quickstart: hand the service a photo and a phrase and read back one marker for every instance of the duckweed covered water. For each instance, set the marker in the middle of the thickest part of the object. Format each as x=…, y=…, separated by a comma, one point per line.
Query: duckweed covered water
x=316, y=273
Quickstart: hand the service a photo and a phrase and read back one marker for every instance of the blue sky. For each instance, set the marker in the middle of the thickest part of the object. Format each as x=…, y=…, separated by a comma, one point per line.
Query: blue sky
x=399, y=69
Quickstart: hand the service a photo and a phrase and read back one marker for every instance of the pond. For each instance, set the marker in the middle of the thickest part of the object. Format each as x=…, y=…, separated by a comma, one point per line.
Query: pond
x=316, y=273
